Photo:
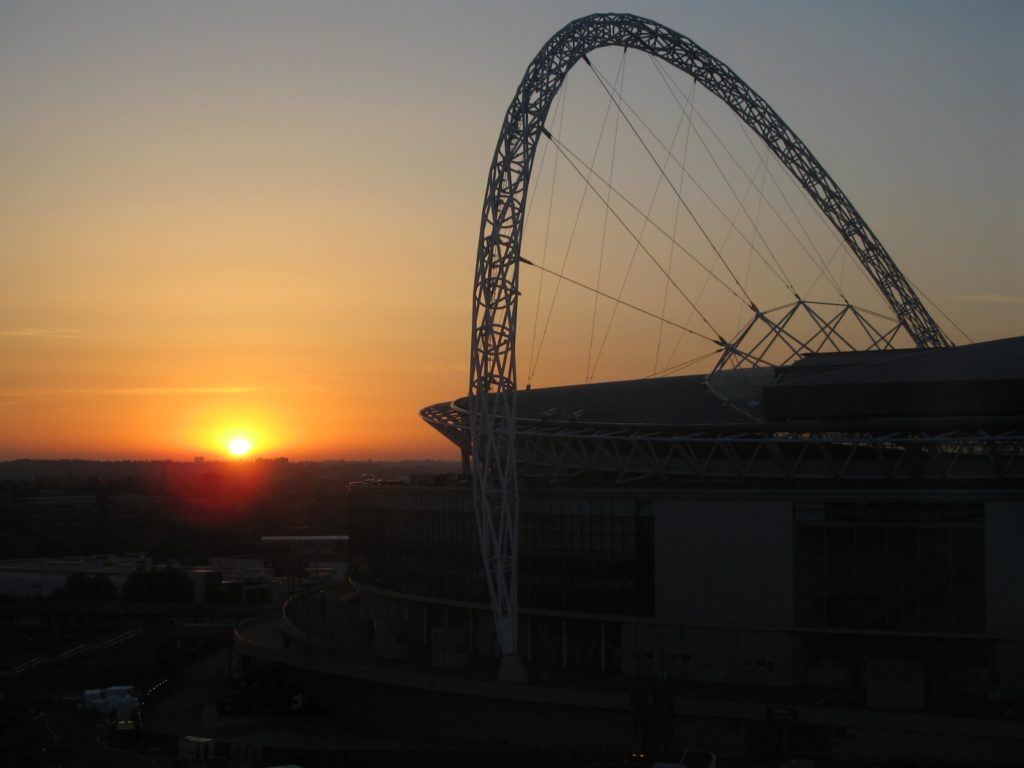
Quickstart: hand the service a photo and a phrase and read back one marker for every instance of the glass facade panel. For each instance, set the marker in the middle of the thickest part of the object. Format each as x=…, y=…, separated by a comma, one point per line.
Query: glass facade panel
x=577, y=553
x=889, y=566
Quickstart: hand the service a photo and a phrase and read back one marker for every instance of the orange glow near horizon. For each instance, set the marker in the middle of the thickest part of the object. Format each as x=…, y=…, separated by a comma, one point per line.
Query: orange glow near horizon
x=240, y=439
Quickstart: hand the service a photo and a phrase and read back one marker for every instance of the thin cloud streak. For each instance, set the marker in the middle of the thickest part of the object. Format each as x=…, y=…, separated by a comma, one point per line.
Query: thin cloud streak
x=184, y=391
x=990, y=298
x=28, y=397
x=42, y=333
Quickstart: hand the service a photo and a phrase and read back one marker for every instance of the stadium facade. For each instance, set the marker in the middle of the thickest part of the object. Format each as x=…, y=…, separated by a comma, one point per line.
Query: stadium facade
x=849, y=525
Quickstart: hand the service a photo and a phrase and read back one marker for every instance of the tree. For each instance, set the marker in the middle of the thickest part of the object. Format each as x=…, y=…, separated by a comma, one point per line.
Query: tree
x=162, y=585
x=83, y=586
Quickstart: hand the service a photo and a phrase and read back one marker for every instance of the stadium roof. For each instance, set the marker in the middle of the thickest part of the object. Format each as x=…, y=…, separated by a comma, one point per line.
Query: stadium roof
x=981, y=382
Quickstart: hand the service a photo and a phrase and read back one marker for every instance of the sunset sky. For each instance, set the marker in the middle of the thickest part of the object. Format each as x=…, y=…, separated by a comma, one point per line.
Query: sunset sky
x=260, y=218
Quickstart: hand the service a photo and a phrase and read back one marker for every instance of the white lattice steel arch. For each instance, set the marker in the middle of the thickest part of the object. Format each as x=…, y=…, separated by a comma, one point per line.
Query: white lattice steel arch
x=492, y=382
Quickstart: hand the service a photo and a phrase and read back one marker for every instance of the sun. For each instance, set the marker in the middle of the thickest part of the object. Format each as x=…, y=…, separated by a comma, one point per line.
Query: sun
x=240, y=446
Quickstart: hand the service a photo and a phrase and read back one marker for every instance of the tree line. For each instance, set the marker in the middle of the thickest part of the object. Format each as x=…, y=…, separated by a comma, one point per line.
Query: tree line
x=160, y=585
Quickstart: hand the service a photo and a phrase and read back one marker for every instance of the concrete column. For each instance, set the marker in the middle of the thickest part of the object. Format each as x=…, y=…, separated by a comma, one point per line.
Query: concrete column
x=604, y=657
x=565, y=644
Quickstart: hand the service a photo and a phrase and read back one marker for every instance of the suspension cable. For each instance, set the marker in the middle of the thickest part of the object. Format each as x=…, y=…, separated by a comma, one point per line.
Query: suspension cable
x=661, y=170
x=682, y=365
x=636, y=249
x=560, y=110
x=572, y=236
x=757, y=218
x=816, y=257
x=778, y=268
x=576, y=161
x=620, y=77
x=812, y=252
x=674, y=90
x=939, y=310
x=573, y=160
x=675, y=226
x=716, y=340
x=839, y=248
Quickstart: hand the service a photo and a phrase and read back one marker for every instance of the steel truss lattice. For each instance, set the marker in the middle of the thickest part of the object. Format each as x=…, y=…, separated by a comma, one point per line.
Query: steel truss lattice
x=492, y=384
x=771, y=339
x=762, y=454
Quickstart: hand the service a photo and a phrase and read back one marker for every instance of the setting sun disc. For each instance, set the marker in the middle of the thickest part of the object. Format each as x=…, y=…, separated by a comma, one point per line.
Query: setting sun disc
x=239, y=446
